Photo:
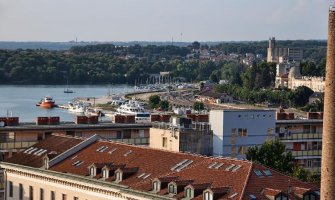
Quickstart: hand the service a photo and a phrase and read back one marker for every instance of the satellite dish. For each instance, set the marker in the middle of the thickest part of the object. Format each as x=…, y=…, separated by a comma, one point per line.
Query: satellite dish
x=2, y=124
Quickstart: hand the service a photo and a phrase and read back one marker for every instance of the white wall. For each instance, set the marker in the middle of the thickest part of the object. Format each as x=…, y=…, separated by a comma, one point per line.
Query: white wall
x=257, y=123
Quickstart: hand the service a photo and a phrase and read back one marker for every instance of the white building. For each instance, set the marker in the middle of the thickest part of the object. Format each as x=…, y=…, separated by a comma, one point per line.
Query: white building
x=236, y=130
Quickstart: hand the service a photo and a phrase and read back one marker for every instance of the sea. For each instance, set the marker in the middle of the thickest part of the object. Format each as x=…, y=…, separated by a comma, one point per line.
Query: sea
x=20, y=100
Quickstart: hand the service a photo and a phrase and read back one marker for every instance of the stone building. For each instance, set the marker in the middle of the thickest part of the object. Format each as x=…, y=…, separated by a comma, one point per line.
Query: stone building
x=63, y=167
x=275, y=53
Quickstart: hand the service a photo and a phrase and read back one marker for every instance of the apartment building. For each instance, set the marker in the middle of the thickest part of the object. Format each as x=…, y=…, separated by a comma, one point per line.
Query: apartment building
x=236, y=130
x=63, y=167
x=182, y=135
x=302, y=137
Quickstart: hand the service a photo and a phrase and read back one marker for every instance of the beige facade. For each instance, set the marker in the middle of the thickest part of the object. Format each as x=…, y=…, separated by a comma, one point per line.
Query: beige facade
x=70, y=187
x=274, y=53
x=197, y=139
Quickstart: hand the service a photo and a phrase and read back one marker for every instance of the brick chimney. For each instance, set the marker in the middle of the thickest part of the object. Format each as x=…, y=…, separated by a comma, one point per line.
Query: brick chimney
x=328, y=138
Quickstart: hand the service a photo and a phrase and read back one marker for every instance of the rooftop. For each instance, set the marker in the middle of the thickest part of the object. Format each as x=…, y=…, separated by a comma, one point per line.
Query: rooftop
x=225, y=178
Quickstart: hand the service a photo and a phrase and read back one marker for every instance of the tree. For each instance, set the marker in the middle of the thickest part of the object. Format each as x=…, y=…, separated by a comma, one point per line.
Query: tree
x=154, y=101
x=305, y=174
x=272, y=154
x=198, y=106
x=164, y=105
x=300, y=96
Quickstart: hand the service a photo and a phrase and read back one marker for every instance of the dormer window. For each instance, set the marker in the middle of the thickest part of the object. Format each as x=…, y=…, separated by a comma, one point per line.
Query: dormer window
x=46, y=163
x=118, y=176
x=93, y=171
x=172, y=188
x=311, y=196
x=155, y=186
x=208, y=195
x=189, y=193
x=105, y=173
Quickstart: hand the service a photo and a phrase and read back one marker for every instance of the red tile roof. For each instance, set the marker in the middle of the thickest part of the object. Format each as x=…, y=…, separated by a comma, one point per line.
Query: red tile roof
x=54, y=145
x=222, y=176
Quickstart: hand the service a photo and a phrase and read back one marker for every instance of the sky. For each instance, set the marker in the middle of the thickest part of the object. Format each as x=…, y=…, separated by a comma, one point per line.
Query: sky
x=162, y=20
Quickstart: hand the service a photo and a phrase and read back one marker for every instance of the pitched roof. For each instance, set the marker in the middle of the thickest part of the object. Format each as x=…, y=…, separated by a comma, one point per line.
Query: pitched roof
x=51, y=146
x=224, y=177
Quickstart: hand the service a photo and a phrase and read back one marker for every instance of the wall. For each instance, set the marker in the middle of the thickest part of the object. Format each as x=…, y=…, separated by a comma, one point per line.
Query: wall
x=259, y=124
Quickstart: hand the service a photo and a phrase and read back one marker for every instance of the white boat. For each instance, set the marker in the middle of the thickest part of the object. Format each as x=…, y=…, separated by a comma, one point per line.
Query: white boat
x=76, y=107
x=133, y=107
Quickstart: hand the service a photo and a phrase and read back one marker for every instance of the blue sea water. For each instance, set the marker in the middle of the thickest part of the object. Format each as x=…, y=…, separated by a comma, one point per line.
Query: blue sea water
x=20, y=101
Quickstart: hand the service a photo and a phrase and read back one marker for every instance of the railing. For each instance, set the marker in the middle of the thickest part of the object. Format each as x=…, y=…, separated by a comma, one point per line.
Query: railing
x=300, y=136
x=136, y=141
x=306, y=153
x=16, y=145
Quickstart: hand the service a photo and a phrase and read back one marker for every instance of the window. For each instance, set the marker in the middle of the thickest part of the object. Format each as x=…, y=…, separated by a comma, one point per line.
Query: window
x=118, y=135
x=105, y=173
x=172, y=189
x=141, y=133
x=208, y=196
x=118, y=176
x=126, y=134
x=31, y=193
x=242, y=150
x=64, y=196
x=10, y=188
x=310, y=196
x=92, y=171
x=165, y=142
x=41, y=194
x=20, y=191
x=155, y=185
x=242, y=132
x=52, y=195
x=75, y=198
x=282, y=197
x=189, y=193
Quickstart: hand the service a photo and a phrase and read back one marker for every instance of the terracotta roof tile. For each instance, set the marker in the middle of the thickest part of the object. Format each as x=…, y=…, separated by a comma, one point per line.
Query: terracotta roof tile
x=54, y=145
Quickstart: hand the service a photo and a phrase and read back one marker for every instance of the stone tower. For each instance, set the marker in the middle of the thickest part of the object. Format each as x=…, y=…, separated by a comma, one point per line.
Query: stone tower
x=328, y=138
x=272, y=46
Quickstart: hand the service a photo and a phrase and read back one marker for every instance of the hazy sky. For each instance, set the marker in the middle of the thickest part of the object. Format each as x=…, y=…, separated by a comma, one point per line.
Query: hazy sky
x=160, y=20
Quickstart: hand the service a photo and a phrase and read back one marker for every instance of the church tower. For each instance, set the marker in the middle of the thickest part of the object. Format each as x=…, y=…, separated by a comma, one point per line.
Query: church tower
x=272, y=46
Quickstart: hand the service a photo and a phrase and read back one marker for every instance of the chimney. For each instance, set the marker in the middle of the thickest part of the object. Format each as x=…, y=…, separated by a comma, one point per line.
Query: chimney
x=328, y=138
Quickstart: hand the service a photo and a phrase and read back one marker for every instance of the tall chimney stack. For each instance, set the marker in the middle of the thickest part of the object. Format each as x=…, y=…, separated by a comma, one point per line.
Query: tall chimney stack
x=328, y=136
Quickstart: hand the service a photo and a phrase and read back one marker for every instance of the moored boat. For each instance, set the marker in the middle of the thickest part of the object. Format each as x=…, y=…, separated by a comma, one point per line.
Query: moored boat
x=47, y=102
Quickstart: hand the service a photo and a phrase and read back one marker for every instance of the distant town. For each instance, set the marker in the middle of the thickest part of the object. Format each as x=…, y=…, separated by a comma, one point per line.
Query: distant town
x=203, y=120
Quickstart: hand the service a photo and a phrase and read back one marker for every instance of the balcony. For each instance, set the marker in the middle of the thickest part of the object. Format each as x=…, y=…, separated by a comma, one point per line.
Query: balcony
x=16, y=145
x=136, y=141
x=306, y=153
x=300, y=136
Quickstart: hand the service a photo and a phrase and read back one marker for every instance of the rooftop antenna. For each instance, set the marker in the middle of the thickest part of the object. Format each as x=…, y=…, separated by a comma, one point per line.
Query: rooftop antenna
x=76, y=40
x=181, y=37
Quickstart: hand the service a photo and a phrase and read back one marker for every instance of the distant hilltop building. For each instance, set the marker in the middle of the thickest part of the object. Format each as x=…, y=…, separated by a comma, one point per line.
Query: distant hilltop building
x=288, y=69
x=275, y=53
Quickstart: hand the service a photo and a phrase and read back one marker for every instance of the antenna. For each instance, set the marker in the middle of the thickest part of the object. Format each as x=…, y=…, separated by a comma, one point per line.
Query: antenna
x=181, y=37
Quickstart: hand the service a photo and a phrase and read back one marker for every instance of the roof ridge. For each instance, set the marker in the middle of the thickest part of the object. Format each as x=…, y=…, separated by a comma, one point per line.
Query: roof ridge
x=247, y=179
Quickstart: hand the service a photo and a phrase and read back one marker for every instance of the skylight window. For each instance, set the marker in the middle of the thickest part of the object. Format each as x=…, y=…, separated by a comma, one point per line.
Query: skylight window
x=212, y=165
x=237, y=167
x=102, y=149
x=37, y=152
x=184, y=165
x=267, y=172
x=111, y=151
x=230, y=167
x=26, y=151
x=233, y=195
x=140, y=176
x=146, y=176
x=31, y=151
x=178, y=165
x=218, y=165
x=42, y=152
x=127, y=153
x=77, y=163
x=257, y=172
